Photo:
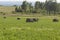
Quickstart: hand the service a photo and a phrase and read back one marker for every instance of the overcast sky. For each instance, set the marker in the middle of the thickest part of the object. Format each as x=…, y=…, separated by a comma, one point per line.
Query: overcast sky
x=27, y=0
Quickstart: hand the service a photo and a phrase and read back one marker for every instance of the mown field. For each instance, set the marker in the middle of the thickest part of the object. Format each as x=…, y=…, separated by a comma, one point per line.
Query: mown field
x=44, y=29
x=13, y=29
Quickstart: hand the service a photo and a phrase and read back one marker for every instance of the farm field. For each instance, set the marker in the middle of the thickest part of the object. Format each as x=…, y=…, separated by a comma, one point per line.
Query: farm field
x=29, y=20
x=13, y=29
x=44, y=29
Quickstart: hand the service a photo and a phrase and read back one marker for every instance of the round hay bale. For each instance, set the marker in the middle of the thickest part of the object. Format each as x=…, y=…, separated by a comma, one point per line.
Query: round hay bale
x=55, y=20
x=3, y=13
x=4, y=17
x=35, y=19
x=18, y=18
x=29, y=20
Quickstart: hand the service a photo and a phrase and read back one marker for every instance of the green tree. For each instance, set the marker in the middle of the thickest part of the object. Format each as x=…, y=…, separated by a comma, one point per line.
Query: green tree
x=16, y=9
x=25, y=6
x=30, y=7
x=37, y=6
x=51, y=6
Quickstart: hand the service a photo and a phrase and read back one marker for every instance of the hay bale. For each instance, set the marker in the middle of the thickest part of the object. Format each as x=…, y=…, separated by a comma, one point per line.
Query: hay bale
x=31, y=19
x=4, y=14
x=18, y=18
x=35, y=19
x=55, y=20
x=1, y=12
x=4, y=17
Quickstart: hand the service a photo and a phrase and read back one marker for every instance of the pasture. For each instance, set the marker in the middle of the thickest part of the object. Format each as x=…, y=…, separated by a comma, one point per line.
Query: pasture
x=44, y=29
x=13, y=29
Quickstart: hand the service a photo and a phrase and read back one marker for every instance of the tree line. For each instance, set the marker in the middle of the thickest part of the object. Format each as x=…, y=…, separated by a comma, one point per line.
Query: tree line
x=49, y=7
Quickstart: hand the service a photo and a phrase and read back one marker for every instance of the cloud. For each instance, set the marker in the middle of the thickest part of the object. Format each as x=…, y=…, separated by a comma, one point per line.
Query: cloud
x=58, y=0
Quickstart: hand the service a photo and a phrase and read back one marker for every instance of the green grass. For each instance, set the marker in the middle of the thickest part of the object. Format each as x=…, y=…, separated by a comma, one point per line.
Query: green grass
x=44, y=29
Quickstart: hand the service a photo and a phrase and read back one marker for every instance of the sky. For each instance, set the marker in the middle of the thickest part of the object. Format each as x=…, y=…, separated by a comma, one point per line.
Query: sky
x=19, y=2
x=27, y=0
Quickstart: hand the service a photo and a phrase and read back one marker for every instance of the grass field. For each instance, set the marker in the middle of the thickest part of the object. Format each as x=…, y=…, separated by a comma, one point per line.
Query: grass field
x=44, y=29
x=13, y=29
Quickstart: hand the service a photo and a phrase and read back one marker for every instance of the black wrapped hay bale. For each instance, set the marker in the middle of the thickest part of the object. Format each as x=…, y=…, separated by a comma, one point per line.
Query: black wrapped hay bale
x=31, y=19
x=35, y=19
x=4, y=14
x=55, y=20
x=4, y=17
x=18, y=18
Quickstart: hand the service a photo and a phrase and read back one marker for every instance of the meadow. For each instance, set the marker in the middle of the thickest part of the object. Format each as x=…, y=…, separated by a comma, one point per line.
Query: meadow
x=13, y=29
x=44, y=29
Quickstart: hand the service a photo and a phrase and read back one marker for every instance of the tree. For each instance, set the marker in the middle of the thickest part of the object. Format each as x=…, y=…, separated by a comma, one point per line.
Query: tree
x=25, y=6
x=37, y=6
x=16, y=9
x=30, y=7
x=51, y=6
x=20, y=10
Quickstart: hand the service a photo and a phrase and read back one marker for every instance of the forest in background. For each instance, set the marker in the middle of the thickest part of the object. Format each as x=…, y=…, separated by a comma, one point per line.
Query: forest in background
x=49, y=7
